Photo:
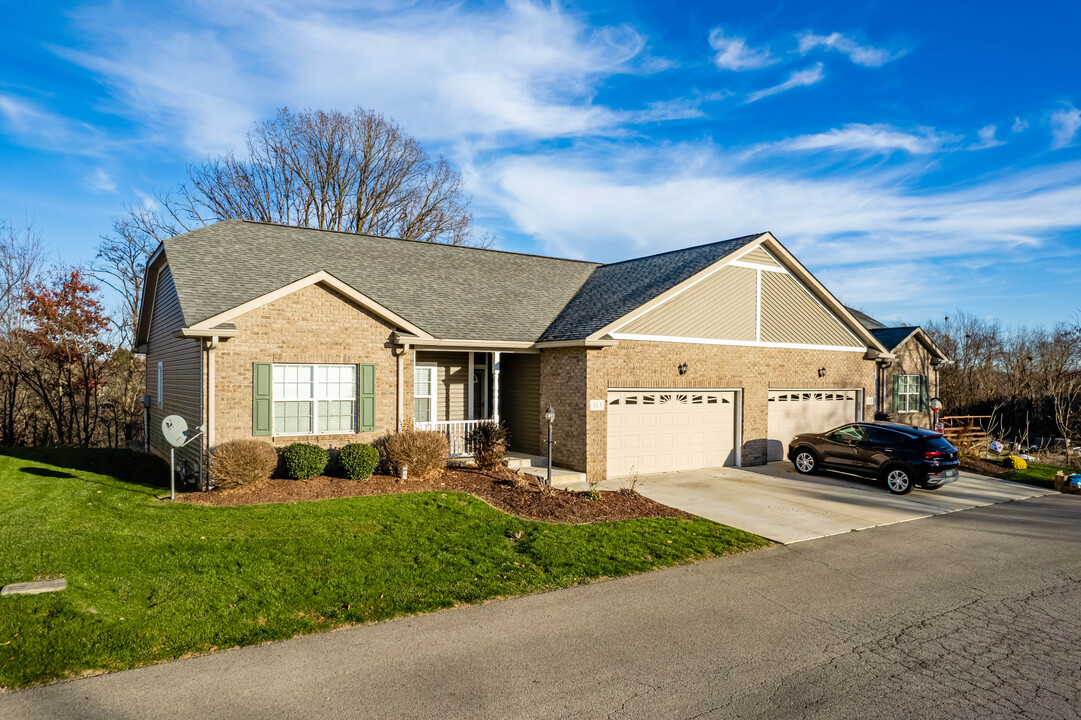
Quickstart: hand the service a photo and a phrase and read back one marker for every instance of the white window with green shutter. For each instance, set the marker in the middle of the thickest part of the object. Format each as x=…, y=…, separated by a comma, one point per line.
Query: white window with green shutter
x=301, y=399
x=909, y=393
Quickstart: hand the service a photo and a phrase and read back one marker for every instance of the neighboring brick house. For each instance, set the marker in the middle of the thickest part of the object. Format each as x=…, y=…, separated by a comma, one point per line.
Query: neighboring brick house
x=711, y=355
x=906, y=382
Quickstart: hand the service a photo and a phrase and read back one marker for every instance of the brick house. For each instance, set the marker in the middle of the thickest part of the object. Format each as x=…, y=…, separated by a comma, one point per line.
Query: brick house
x=707, y=356
x=907, y=379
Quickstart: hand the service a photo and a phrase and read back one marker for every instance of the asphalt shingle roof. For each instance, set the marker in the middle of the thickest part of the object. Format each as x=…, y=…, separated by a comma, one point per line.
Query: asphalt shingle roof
x=892, y=337
x=866, y=320
x=614, y=290
x=450, y=292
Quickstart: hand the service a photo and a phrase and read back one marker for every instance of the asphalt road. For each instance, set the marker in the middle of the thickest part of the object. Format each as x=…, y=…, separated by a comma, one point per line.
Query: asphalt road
x=972, y=614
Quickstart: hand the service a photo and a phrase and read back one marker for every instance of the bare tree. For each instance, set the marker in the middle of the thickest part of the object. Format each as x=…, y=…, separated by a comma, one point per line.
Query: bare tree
x=354, y=172
x=1061, y=359
x=21, y=259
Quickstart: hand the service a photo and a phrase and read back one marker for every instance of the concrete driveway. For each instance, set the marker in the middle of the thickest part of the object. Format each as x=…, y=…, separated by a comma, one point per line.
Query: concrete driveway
x=776, y=502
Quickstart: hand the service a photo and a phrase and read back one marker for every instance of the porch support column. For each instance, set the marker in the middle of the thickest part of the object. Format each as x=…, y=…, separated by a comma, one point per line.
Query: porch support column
x=472, y=415
x=495, y=386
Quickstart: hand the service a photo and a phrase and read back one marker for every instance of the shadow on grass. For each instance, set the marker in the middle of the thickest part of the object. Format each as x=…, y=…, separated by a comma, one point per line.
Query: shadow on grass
x=46, y=472
x=134, y=468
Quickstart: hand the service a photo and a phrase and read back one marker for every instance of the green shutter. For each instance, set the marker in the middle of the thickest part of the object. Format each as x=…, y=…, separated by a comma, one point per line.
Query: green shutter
x=896, y=406
x=260, y=399
x=365, y=397
x=924, y=398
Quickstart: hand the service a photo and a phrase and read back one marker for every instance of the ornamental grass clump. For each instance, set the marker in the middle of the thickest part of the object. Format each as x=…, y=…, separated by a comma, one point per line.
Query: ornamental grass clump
x=358, y=460
x=488, y=443
x=422, y=452
x=242, y=463
x=303, y=460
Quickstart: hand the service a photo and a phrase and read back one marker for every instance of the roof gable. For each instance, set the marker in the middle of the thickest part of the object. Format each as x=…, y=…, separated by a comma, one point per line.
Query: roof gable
x=615, y=290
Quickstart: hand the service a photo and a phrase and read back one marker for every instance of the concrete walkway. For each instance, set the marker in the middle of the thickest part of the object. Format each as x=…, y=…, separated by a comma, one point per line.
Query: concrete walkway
x=776, y=502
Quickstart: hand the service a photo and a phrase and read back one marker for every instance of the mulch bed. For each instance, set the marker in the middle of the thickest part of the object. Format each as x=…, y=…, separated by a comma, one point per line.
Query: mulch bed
x=983, y=467
x=518, y=494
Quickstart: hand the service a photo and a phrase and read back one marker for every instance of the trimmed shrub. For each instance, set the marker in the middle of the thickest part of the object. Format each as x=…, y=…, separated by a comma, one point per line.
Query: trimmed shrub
x=488, y=442
x=358, y=460
x=1015, y=462
x=424, y=452
x=240, y=463
x=304, y=460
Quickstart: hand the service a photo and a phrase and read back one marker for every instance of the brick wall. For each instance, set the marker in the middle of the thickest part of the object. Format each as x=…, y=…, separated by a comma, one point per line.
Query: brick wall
x=312, y=325
x=571, y=377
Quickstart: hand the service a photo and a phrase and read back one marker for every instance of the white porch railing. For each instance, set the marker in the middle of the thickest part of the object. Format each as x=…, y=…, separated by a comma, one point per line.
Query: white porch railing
x=456, y=432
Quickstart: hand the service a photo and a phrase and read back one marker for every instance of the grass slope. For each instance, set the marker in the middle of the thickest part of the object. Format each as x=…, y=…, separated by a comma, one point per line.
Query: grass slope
x=1038, y=475
x=151, y=581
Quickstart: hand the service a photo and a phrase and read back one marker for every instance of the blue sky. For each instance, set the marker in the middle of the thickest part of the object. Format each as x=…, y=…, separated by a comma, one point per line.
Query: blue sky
x=918, y=157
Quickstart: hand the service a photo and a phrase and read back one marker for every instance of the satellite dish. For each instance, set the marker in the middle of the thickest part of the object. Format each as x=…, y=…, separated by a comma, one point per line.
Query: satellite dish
x=175, y=430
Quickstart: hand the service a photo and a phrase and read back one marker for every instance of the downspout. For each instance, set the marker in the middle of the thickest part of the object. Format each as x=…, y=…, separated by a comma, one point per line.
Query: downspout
x=399, y=356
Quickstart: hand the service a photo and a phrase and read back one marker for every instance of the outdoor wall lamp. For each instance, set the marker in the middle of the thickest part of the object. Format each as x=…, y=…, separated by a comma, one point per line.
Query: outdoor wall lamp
x=682, y=368
x=550, y=418
x=821, y=372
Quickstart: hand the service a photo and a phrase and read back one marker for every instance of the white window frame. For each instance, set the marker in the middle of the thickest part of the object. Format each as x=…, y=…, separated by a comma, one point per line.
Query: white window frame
x=313, y=401
x=433, y=377
x=908, y=396
x=161, y=384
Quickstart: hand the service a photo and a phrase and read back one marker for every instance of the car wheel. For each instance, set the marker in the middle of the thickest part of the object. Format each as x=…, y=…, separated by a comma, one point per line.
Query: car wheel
x=806, y=462
x=898, y=480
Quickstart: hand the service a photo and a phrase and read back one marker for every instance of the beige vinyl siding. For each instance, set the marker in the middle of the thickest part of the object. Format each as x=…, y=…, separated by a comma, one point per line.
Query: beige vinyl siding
x=759, y=256
x=721, y=307
x=790, y=314
x=452, y=383
x=183, y=389
x=519, y=408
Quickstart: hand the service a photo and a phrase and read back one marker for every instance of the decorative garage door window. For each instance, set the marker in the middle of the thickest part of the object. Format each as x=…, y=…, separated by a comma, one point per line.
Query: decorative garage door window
x=669, y=399
x=849, y=396
x=314, y=396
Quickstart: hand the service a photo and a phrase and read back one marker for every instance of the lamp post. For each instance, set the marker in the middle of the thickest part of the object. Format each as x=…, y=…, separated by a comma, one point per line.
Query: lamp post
x=550, y=417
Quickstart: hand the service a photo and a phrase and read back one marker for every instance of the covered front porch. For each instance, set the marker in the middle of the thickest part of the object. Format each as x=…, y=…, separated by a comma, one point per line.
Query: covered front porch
x=456, y=390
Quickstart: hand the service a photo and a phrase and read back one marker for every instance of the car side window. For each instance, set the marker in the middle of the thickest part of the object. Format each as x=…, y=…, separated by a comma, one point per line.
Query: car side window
x=878, y=436
x=849, y=433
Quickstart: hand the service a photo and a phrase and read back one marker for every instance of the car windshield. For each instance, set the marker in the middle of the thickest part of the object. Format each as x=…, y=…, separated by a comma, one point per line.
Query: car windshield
x=849, y=433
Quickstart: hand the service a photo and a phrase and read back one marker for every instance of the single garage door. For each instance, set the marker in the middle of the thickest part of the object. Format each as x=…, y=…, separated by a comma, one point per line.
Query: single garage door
x=660, y=430
x=792, y=412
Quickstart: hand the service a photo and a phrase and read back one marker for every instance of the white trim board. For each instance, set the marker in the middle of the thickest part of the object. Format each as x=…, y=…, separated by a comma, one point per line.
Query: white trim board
x=736, y=343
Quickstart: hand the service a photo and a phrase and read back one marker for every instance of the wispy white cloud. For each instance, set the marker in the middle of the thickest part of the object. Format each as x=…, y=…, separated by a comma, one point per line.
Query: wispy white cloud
x=799, y=78
x=620, y=204
x=987, y=138
x=39, y=127
x=866, y=55
x=523, y=68
x=1019, y=125
x=1064, y=126
x=733, y=53
x=99, y=181
x=856, y=137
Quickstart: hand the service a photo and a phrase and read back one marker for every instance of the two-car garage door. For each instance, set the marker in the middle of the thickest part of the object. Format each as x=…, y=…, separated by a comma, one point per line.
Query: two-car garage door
x=792, y=412
x=660, y=430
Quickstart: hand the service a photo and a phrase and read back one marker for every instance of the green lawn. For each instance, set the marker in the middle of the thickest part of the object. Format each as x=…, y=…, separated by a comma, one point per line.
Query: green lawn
x=1038, y=475
x=151, y=580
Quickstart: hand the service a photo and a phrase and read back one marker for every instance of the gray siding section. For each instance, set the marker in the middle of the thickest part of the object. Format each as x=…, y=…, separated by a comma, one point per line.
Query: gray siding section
x=452, y=383
x=519, y=389
x=721, y=307
x=182, y=368
x=791, y=315
x=759, y=257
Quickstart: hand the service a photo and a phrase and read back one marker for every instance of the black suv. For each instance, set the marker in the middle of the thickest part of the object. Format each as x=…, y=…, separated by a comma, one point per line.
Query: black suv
x=900, y=455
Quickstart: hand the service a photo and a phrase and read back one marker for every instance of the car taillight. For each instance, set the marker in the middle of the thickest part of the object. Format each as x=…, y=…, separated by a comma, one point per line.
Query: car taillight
x=933, y=454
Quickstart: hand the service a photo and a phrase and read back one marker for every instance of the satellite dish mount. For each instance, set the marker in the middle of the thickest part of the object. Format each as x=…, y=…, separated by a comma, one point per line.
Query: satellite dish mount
x=176, y=432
